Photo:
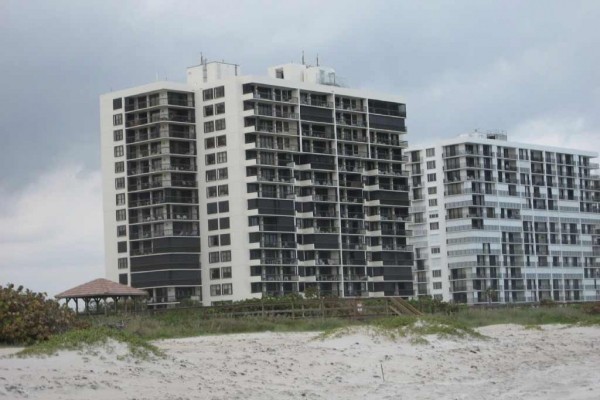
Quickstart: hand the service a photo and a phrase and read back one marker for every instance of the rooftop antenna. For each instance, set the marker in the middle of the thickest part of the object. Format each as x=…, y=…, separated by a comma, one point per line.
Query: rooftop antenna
x=302, y=57
x=317, y=60
x=201, y=58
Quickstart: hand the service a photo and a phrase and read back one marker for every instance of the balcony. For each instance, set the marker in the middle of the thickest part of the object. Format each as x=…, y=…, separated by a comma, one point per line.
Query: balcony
x=318, y=134
x=278, y=261
x=157, y=102
x=161, y=134
x=160, y=118
x=352, y=138
x=272, y=97
x=275, y=114
x=315, y=103
x=346, y=122
x=161, y=168
x=350, y=107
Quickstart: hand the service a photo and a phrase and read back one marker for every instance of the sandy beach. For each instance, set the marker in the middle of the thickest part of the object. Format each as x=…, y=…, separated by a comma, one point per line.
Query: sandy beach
x=555, y=362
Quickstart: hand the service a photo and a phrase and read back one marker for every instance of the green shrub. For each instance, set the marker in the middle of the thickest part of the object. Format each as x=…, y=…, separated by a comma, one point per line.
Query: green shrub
x=591, y=308
x=429, y=305
x=28, y=317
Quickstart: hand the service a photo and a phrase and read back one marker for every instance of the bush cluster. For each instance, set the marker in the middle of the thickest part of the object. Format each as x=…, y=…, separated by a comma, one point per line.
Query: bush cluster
x=430, y=305
x=27, y=317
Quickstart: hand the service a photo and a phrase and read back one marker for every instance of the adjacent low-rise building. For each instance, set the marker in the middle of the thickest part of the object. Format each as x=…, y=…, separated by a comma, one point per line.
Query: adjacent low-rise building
x=499, y=221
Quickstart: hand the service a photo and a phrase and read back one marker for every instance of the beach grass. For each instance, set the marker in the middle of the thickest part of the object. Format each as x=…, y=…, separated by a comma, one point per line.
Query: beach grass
x=416, y=328
x=81, y=339
x=567, y=315
x=179, y=323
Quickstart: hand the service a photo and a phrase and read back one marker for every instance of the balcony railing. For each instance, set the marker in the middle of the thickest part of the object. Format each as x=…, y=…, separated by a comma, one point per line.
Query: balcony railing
x=274, y=97
x=275, y=113
x=343, y=121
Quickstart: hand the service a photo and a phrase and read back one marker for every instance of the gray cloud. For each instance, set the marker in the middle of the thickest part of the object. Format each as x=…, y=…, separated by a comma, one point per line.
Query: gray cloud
x=526, y=67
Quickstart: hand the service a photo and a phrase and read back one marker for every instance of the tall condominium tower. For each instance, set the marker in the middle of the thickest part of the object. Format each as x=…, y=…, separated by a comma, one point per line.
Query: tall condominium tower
x=497, y=221
x=231, y=187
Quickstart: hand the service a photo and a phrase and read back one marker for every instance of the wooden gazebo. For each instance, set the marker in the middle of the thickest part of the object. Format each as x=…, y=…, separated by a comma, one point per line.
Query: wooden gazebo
x=101, y=289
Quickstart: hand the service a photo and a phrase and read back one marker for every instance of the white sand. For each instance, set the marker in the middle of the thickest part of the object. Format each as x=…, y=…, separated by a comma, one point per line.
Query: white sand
x=554, y=363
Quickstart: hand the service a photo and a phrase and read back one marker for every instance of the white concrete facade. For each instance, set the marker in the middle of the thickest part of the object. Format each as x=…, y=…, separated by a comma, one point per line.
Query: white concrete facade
x=503, y=222
x=241, y=186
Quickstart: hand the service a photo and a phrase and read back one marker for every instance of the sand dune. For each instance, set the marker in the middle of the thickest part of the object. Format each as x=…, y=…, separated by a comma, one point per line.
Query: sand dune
x=514, y=363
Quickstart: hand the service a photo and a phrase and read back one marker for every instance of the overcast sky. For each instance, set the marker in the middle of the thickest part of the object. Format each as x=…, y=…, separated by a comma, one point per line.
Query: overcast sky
x=530, y=68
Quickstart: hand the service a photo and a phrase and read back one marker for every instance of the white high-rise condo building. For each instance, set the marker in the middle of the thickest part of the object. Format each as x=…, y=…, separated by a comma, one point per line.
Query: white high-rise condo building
x=230, y=187
x=498, y=221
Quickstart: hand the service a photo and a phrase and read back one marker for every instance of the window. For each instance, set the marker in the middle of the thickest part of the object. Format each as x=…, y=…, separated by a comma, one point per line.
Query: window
x=117, y=104
x=432, y=202
x=120, y=199
x=211, y=191
x=435, y=250
x=430, y=152
x=219, y=92
x=122, y=263
x=256, y=287
x=225, y=239
x=221, y=157
x=221, y=141
x=122, y=247
x=207, y=94
x=213, y=257
x=121, y=230
x=210, y=159
x=436, y=273
x=121, y=215
x=224, y=223
x=209, y=111
x=227, y=289
x=437, y=285
x=430, y=177
x=435, y=215
x=209, y=126
x=118, y=151
x=223, y=190
x=222, y=173
x=226, y=272
x=211, y=208
x=220, y=108
x=432, y=190
x=434, y=226
x=118, y=119
x=119, y=166
x=213, y=241
x=223, y=206
x=215, y=290
x=118, y=135
x=220, y=124
x=213, y=224
x=430, y=164
x=215, y=273
x=209, y=143
x=225, y=256
x=211, y=175
x=119, y=183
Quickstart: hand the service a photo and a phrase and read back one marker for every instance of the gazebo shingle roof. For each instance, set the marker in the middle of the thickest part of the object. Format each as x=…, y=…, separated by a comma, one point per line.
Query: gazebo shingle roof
x=100, y=288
